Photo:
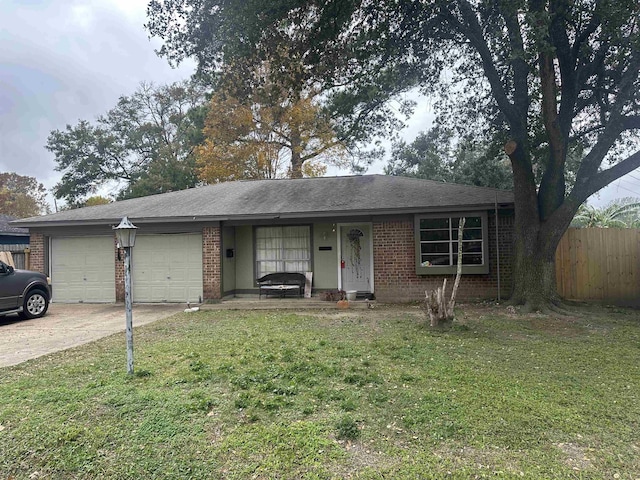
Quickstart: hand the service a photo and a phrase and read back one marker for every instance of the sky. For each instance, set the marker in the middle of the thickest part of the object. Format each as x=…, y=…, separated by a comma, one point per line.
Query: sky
x=62, y=61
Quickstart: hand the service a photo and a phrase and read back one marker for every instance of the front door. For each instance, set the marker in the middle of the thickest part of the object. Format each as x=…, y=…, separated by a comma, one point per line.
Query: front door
x=355, y=261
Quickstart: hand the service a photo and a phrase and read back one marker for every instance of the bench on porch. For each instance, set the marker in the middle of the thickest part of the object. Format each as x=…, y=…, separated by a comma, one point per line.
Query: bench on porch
x=281, y=283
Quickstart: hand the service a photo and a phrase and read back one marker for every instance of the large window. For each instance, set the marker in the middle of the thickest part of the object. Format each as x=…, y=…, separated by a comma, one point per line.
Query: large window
x=437, y=243
x=283, y=249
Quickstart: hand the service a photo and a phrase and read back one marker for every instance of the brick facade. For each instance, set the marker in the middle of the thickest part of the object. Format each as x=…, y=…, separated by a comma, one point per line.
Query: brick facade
x=211, y=260
x=394, y=258
x=119, y=263
x=36, y=258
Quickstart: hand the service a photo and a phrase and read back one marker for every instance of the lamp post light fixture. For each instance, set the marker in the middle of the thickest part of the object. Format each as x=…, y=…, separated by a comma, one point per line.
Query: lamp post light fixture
x=126, y=235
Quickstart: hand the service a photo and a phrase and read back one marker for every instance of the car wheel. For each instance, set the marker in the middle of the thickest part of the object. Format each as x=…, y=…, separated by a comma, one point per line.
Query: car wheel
x=35, y=304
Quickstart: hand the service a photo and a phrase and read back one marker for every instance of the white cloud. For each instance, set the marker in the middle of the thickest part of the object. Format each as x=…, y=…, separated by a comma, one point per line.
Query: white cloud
x=66, y=61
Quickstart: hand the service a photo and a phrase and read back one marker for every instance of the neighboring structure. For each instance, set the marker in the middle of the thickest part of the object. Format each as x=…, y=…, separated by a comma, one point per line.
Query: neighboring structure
x=394, y=236
x=14, y=239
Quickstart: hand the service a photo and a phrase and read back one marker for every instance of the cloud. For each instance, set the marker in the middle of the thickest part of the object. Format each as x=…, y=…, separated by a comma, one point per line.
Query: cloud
x=66, y=61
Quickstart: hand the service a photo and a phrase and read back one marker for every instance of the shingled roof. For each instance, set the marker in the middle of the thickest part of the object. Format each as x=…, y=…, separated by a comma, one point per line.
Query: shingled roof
x=6, y=229
x=286, y=198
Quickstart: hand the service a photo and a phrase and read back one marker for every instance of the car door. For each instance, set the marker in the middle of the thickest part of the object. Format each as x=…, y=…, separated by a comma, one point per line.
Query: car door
x=10, y=290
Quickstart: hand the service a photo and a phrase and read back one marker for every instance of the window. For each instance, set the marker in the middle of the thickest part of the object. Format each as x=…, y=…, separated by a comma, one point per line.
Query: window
x=283, y=249
x=437, y=243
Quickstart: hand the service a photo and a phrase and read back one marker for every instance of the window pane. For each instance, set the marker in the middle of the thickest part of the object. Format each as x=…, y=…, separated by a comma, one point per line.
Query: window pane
x=283, y=249
x=434, y=223
x=473, y=222
x=468, y=234
x=472, y=247
x=434, y=260
x=468, y=247
x=434, y=235
x=440, y=247
x=472, y=234
x=470, y=222
x=473, y=259
x=468, y=259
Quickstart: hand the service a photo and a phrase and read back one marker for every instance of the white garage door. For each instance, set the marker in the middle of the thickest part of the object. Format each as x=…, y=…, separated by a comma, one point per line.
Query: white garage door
x=167, y=268
x=83, y=269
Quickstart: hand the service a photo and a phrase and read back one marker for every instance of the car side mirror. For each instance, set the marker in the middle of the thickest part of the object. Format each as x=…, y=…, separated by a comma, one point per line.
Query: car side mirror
x=10, y=269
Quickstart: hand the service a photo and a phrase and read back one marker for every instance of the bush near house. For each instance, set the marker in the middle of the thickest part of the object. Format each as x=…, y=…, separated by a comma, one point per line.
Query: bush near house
x=366, y=394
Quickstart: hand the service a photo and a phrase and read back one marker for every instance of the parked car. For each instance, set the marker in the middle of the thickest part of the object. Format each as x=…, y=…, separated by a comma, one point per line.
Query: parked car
x=23, y=292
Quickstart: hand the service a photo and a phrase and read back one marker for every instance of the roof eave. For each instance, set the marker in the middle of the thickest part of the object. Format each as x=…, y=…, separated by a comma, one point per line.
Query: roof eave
x=268, y=216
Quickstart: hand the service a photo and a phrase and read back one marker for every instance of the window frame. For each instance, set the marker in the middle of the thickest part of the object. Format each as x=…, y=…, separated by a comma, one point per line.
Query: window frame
x=452, y=269
x=255, y=245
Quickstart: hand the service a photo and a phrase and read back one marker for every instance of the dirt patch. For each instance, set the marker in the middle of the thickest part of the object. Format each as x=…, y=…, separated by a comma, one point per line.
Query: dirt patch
x=564, y=327
x=576, y=456
x=361, y=456
x=494, y=460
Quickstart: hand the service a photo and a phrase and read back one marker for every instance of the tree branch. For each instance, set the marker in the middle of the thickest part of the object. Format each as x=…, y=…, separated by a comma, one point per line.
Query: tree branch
x=605, y=177
x=520, y=66
x=473, y=32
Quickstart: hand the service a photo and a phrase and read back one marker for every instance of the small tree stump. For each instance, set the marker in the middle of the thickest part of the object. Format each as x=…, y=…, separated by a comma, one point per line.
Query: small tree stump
x=439, y=310
x=436, y=306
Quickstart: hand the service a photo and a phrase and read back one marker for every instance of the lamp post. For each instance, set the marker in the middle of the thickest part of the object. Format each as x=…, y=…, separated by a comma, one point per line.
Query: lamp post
x=126, y=235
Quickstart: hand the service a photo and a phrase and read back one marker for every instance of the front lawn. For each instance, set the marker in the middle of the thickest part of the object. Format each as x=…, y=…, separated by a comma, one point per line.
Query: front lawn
x=360, y=394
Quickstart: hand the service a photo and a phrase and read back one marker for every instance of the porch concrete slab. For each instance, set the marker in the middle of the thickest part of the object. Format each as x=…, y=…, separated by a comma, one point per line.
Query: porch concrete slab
x=240, y=303
x=69, y=325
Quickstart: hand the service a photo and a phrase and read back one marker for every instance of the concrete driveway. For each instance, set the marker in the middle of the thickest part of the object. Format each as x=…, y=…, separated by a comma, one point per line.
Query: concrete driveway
x=66, y=326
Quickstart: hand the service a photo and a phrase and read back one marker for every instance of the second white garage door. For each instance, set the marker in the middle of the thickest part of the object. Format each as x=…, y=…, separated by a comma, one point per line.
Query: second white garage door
x=167, y=268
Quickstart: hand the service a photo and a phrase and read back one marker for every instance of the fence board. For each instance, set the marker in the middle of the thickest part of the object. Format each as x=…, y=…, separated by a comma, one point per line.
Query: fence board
x=601, y=264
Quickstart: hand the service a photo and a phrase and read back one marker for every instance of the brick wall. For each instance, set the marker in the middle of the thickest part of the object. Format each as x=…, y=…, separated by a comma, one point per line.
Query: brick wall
x=119, y=263
x=395, y=271
x=36, y=260
x=211, y=271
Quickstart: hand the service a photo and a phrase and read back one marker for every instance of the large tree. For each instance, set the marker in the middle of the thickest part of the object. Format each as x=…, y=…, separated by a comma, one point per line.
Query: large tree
x=266, y=125
x=22, y=196
x=551, y=80
x=144, y=145
x=437, y=154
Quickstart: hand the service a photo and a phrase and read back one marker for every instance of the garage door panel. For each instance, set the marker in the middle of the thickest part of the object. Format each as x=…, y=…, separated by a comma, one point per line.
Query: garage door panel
x=167, y=268
x=83, y=269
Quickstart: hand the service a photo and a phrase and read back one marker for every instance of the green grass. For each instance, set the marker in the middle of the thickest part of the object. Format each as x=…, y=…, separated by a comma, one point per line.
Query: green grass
x=363, y=394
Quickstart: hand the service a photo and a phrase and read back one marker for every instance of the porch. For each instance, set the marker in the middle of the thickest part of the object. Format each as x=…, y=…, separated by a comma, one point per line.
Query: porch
x=339, y=256
x=287, y=303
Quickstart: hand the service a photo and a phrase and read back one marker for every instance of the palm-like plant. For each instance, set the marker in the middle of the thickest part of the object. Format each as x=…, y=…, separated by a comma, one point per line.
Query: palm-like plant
x=620, y=213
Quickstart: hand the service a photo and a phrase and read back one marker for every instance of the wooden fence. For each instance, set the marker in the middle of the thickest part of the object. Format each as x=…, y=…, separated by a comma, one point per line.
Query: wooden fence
x=16, y=255
x=601, y=264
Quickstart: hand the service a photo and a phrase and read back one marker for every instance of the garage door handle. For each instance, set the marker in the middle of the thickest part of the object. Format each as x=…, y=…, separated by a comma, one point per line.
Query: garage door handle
x=168, y=278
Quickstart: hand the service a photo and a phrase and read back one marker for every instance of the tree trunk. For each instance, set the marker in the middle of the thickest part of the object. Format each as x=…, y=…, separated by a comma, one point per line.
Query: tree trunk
x=534, y=274
x=536, y=239
x=534, y=280
x=296, y=155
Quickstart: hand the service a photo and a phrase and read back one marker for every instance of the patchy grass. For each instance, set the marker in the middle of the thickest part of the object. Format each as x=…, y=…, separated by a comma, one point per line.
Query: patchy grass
x=369, y=394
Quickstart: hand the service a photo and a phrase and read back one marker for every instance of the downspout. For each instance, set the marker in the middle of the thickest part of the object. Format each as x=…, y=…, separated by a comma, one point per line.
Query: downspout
x=497, y=248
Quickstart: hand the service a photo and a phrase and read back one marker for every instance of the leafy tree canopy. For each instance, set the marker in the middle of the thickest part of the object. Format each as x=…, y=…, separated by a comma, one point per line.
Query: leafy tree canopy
x=240, y=36
x=22, y=196
x=620, y=213
x=437, y=155
x=266, y=128
x=144, y=144
x=553, y=81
